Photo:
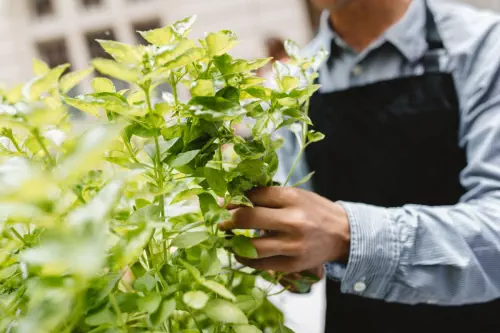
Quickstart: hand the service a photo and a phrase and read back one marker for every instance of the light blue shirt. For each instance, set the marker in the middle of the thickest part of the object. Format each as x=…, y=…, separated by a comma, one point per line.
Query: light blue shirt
x=419, y=254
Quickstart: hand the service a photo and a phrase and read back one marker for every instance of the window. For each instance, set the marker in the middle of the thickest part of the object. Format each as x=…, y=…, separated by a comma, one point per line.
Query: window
x=42, y=7
x=145, y=26
x=91, y=3
x=95, y=49
x=53, y=52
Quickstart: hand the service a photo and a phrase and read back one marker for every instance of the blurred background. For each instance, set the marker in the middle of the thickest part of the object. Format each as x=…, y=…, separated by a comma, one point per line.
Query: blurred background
x=64, y=31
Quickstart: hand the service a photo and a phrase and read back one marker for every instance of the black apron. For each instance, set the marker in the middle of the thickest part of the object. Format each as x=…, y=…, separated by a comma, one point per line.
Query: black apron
x=389, y=144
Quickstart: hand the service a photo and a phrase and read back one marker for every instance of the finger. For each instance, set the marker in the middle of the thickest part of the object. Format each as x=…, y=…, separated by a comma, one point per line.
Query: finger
x=272, y=246
x=279, y=263
x=319, y=272
x=255, y=218
x=232, y=206
x=273, y=197
x=288, y=286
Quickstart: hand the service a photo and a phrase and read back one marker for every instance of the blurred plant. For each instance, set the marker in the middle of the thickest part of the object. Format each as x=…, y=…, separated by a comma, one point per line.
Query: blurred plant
x=115, y=229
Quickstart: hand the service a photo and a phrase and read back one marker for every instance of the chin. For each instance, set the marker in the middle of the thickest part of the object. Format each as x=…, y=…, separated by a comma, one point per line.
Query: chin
x=328, y=4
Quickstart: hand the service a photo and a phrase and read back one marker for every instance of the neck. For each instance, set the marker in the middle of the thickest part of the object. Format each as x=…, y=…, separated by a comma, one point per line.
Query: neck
x=360, y=22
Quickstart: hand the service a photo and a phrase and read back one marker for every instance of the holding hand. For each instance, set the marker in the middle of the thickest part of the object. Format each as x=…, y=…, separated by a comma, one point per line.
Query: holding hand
x=303, y=230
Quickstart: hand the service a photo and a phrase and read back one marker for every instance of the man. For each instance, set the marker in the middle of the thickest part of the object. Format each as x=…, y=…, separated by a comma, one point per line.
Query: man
x=406, y=214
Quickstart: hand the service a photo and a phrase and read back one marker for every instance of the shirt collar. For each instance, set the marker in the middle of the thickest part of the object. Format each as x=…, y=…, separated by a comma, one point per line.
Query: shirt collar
x=408, y=35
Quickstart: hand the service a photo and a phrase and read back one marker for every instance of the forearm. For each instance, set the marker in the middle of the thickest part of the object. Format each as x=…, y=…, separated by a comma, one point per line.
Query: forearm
x=420, y=254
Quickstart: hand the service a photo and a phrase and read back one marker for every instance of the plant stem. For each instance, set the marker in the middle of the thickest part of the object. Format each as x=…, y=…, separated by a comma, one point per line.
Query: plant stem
x=294, y=166
x=16, y=233
x=98, y=329
x=159, y=170
x=115, y=306
x=208, y=67
x=195, y=321
x=173, y=83
x=230, y=266
x=279, y=292
x=130, y=149
x=303, y=146
x=159, y=166
x=16, y=145
x=76, y=314
x=221, y=158
x=36, y=135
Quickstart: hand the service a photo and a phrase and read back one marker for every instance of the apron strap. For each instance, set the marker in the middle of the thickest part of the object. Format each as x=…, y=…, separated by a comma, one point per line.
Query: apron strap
x=434, y=41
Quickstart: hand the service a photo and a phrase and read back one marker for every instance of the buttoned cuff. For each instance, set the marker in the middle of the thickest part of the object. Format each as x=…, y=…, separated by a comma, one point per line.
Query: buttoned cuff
x=374, y=251
x=335, y=271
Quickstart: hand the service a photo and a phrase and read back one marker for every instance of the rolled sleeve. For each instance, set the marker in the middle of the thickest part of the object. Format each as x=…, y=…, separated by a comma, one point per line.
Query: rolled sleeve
x=375, y=250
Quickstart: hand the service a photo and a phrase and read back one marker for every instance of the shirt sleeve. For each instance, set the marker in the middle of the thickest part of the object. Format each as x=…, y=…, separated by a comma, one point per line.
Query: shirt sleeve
x=440, y=255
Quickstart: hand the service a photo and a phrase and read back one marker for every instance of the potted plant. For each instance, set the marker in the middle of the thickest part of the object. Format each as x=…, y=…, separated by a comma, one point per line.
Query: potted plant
x=113, y=228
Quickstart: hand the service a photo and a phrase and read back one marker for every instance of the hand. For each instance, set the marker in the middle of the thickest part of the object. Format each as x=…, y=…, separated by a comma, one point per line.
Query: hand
x=303, y=230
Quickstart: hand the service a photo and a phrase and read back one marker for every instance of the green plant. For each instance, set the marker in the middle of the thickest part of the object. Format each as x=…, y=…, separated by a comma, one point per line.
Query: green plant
x=113, y=228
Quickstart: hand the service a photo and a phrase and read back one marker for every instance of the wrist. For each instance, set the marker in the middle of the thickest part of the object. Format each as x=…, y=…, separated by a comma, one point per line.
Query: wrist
x=340, y=234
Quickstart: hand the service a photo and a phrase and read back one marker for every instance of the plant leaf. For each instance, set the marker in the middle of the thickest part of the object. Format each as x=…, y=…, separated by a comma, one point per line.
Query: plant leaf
x=47, y=83
x=149, y=303
x=203, y=88
x=216, y=181
x=195, y=299
x=210, y=263
x=172, y=52
x=224, y=312
x=190, y=239
x=103, y=85
x=70, y=80
x=89, y=151
x=314, y=136
x=82, y=104
x=158, y=37
x=192, y=270
x=250, y=150
x=40, y=68
x=183, y=27
x=145, y=283
x=164, y=311
x=289, y=83
x=116, y=70
x=304, y=180
x=243, y=247
x=101, y=318
x=184, y=158
x=292, y=49
x=219, y=289
x=220, y=42
x=186, y=58
x=246, y=329
x=212, y=212
x=121, y=52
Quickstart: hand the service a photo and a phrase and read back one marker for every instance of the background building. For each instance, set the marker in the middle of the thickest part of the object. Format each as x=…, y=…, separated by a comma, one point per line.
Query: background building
x=60, y=31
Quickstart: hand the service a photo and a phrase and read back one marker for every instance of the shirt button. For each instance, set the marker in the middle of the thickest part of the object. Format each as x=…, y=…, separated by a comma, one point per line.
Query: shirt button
x=357, y=70
x=359, y=287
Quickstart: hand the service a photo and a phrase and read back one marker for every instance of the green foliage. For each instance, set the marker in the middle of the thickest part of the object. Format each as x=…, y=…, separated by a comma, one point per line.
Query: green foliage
x=113, y=228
